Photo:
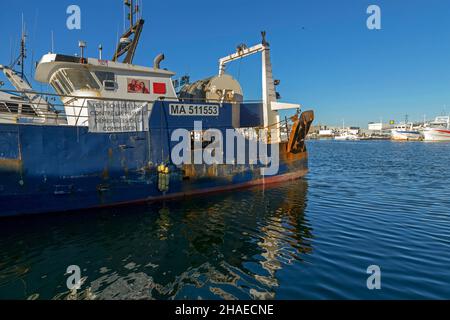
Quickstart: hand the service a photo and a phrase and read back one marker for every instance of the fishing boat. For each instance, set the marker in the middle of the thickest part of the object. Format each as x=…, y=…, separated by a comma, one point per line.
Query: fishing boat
x=347, y=136
x=111, y=139
x=438, y=130
x=405, y=132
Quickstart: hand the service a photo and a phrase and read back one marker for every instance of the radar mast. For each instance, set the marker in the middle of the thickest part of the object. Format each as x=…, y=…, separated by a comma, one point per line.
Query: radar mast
x=128, y=42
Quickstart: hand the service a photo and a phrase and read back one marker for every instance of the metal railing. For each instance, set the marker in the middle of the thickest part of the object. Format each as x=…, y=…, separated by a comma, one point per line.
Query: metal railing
x=53, y=111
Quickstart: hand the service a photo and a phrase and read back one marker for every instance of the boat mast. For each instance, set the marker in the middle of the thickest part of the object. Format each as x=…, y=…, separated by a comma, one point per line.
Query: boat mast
x=407, y=122
x=20, y=61
x=129, y=40
x=22, y=54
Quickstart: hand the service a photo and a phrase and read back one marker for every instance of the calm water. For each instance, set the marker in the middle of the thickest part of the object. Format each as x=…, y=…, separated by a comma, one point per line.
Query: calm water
x=363, y=203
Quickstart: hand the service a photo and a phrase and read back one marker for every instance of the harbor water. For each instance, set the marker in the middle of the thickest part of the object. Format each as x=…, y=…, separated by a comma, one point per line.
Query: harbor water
x=363, y=203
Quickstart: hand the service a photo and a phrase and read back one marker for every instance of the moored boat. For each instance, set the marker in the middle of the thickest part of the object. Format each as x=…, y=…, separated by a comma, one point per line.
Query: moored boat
x=23, y=104
x=438, y=130
x=405, y=132
x=347, y=136
x=123, y=127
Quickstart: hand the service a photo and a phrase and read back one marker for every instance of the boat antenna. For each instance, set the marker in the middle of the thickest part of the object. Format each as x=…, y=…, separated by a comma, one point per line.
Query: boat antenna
x=11, y=51
x=128, y=42
x=23, y=51
x=124, y=19
x=20, y=61
x=31, y=66
x=53, y=41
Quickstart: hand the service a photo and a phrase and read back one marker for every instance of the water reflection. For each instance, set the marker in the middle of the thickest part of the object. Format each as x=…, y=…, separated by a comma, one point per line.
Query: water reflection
x=229, y=246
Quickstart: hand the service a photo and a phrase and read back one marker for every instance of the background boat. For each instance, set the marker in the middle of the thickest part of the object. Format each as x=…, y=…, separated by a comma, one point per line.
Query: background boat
x=405, y=132
x=438, y=130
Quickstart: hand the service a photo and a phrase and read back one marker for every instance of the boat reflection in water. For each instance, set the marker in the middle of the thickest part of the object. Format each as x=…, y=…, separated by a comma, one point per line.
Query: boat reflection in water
x=229, y=246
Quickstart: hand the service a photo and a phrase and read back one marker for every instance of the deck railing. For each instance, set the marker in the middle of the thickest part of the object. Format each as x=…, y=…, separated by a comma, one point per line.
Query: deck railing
x=48, y=109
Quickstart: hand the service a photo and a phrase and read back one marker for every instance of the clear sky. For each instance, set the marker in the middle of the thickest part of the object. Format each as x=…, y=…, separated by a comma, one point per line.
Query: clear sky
x=326, y=57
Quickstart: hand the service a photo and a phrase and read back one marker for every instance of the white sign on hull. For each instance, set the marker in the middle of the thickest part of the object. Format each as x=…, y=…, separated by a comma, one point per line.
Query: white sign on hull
x=117, y=116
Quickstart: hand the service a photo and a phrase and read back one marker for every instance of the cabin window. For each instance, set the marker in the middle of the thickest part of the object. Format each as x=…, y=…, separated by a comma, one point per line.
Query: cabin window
x=81, y=79
x=55, y=84
x=105, y=76
x=107, y=79
x=28, y=110
x=16, y=98
x=13, y=107
x=3, y=108
x=109, y=85
x=66, y=81
x=60, y=83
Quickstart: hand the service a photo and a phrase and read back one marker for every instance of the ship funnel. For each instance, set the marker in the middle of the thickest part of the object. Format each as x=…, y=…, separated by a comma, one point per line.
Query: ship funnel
x=158, y=60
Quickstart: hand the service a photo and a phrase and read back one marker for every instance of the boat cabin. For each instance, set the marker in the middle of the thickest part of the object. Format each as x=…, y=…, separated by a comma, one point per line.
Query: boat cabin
x=440, y=122
x=77, y=80
x=14, y=107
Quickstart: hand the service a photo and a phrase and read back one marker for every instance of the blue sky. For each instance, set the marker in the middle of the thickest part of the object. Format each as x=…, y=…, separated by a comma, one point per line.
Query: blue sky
x=322, y=51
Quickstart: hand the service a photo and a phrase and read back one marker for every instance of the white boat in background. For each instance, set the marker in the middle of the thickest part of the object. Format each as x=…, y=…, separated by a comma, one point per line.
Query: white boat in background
x=347, y=136
x=326, y=133
x=438, y=130
x=405, y=132
x=22, y=104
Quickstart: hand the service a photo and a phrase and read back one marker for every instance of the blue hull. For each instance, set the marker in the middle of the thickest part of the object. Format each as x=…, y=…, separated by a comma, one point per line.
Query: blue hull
x=62, y=168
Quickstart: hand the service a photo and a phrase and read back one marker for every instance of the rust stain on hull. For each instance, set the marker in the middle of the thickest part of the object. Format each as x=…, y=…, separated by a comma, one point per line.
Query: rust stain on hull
x=14, y=165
